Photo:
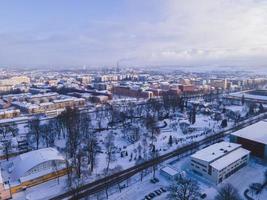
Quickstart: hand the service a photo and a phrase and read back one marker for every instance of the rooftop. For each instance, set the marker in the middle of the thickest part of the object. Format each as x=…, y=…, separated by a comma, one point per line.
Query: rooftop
x=27, y=161
x=229, y=158
x=170, y=171
x=256, y=132
x=215, y=151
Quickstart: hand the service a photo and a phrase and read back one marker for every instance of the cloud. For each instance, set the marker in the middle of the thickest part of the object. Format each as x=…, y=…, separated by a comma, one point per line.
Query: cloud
x=182, y=32
x=209, y=30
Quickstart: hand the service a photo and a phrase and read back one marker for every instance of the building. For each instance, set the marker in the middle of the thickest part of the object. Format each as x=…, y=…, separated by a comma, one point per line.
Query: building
x=187, y=88
x=9, y=113
x=35, y=167
x=253, y=138
x=219, y=161
x=15, y=80
x=132, y=92
x=254, y=96
x=169, y=173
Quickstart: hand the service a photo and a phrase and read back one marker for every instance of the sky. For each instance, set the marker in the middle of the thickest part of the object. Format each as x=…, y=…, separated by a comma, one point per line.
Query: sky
x=133, y=32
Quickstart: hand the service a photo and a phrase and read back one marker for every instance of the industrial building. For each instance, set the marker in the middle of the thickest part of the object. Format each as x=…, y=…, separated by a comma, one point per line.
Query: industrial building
x=219, y=161
x=253, y=138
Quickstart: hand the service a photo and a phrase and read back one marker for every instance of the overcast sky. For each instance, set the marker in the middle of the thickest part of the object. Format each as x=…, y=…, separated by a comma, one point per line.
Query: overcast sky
x=101, y=32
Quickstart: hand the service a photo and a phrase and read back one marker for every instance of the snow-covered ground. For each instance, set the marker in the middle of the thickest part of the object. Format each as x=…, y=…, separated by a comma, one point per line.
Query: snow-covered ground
x=252, y=173
x=203, y=127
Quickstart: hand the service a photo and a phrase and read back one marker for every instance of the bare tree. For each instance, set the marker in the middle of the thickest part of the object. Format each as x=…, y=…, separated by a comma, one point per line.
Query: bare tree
x=35, y=131
x=47, y=134
x=109, y=144
x=7, y=148
x=154, y=156
x=227, y=192
x=184, y=189
x=7, y=129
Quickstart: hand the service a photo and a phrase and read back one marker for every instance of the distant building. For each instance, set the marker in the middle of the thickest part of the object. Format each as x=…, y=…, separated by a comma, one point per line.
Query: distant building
x=15, y=80
x=253, y=138
x=100, y=86
x=132, y=92
x=256, y=96
x=187, y=88
x=219, y=161
x=9, y=113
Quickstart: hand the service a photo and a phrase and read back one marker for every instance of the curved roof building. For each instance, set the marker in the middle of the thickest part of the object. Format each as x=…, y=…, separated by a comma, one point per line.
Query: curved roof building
x=35, y=162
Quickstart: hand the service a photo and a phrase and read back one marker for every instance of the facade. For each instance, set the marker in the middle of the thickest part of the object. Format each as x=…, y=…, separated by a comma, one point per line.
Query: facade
x=253, y=138
x=219, y=161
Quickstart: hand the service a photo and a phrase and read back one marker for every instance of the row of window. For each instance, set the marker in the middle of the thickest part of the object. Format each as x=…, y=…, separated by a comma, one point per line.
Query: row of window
x=199, y=163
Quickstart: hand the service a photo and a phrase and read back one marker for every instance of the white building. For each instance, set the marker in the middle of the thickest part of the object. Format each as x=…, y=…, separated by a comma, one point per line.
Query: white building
x=169, y=172
x=219, y=161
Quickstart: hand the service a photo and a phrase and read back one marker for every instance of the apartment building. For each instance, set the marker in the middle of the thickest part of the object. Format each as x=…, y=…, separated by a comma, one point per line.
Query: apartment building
x=219, y=161
x=132, y=92
x=9, y=113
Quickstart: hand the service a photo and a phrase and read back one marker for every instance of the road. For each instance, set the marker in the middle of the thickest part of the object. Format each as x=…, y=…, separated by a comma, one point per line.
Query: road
x=103, y=183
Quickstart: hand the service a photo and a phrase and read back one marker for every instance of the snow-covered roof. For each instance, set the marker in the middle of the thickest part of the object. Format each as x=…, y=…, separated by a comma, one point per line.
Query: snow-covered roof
x=229, y=158
x=170, y=171
x=215, y=151
x=256, y=132
x=250, y=96
x=24, y=162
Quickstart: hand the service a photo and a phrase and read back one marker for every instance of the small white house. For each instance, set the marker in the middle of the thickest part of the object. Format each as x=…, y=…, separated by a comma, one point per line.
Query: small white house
x=169, y=173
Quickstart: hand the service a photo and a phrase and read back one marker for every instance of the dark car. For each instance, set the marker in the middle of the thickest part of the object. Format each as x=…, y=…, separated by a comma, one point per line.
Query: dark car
x=156, y=179
x=152, y=195
x=147, y=197
x=203, y=196
x=158, y=192
x=152, y=181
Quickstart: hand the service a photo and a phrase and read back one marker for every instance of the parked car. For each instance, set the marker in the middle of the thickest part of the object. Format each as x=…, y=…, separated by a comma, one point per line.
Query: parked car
x=147, y=197
x=152, y=195
x=203, y=196
x=158, y=192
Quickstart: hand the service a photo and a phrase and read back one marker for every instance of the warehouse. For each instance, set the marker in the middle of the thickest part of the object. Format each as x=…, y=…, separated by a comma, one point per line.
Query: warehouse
x=253, y=138
x=219, y=161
